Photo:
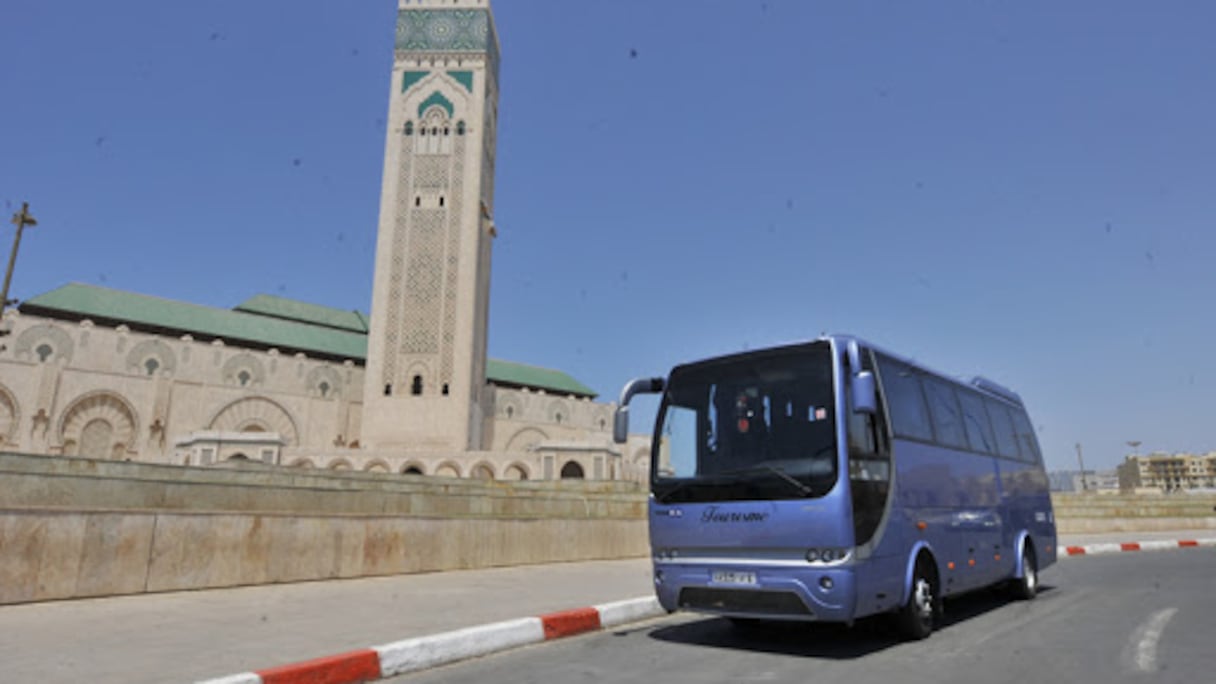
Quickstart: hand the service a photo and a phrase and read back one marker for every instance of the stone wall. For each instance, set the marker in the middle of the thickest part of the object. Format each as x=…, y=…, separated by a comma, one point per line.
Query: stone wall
x=1095, y=513
x=73, y=528
x=59, y=554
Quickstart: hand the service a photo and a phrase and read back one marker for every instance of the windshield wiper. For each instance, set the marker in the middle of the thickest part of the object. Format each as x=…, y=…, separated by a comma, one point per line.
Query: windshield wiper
x=805, y=490
x=683, y=484
x=728, y=476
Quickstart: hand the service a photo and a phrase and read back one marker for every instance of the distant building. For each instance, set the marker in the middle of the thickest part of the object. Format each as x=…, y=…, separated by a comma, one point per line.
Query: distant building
x=1168, y=472
x=1102, y=481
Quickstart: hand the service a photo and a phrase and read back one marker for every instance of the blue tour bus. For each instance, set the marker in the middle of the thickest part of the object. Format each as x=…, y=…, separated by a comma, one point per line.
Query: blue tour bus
x=832, y=480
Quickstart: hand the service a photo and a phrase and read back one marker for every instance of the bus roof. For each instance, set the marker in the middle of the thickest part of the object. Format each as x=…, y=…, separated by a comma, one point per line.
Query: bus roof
x=978, y=382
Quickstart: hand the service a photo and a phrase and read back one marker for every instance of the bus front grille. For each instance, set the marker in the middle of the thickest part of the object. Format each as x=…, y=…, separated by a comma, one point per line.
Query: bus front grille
x=742, y=601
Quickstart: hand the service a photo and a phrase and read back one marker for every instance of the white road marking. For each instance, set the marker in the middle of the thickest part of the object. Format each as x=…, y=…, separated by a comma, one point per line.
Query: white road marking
x=1143, y=645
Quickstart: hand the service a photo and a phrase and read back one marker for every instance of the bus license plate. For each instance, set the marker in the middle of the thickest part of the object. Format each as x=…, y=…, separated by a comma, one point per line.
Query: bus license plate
x=733, y=577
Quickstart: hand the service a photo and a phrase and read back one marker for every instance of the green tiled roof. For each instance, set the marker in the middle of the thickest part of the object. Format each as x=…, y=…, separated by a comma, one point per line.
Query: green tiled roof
x=523, y=375
x=262, y=322
x=76, y=301
x=294, y=310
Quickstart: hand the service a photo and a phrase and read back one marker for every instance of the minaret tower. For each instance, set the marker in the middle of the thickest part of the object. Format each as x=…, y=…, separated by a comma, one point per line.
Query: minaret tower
x=426, y=356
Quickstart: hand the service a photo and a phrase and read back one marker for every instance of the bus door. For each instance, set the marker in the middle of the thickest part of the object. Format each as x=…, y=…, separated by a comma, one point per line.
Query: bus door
x=880, y=565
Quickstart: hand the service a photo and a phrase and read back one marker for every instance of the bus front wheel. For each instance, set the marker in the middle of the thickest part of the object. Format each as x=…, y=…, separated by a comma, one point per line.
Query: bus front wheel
x=1026, y=586
x=915, y=618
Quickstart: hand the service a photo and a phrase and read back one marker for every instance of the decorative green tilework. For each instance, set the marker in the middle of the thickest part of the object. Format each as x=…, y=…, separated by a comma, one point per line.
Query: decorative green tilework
x=464, y=78
x=436, y=98
x=448, y=30
x=412, y=77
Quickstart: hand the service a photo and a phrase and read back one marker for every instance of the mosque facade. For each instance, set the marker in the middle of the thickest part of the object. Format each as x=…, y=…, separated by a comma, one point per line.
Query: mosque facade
x=102, y=373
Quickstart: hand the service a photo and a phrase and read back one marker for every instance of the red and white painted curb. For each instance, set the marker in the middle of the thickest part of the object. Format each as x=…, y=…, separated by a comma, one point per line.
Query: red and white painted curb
x=412, y=655
x=1120, y=547
x=425, y=652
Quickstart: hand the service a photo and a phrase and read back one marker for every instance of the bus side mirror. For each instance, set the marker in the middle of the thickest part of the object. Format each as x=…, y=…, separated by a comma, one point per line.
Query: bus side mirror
x=620, y=425
x=865, y=393
x=620, y=419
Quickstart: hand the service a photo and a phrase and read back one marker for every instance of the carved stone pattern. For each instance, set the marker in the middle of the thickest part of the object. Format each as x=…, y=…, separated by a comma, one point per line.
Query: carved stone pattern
x=256, y=411
x=526, y=439
x=8, y=416
x=452, y=271
x=244, y=362
x=48, y=333
x=423, y=281
x=392, y=333
x=147, y=349
x=557, y=408
x=321, y=374
x=103, y=406
x=432, y=173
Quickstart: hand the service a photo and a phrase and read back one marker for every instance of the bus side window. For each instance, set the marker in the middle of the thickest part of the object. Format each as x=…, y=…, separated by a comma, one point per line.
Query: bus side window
x=1006, y=438
x=906, y=401
x=975, y=420
x=1026, y=439
x=947, y=416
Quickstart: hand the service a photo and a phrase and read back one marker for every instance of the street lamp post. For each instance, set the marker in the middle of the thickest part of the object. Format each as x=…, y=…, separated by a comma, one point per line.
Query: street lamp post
x=1081, y=462
x=21, y=219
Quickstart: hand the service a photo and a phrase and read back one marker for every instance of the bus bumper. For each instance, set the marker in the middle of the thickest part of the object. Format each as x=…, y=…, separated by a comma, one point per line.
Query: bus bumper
x=785, y=592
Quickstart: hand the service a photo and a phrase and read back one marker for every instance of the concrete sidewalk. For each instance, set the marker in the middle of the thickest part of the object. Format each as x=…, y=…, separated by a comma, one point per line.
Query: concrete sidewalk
x=190, y=636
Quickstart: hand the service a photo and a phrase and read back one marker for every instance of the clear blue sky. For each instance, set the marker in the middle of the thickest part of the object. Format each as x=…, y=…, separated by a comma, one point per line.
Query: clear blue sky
x=1023, y=190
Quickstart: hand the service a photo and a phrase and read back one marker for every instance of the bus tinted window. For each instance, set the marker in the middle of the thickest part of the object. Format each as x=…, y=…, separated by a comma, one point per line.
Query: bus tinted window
x=975, y=420
x=943, y=407
x=1029, y=445
x=1002, y=424
x=909, y=415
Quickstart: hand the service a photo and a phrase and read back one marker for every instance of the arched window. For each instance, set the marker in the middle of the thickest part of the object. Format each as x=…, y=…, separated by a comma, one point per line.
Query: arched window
x=409, y=127
x=243, y=378
x=324, y=389
x=460, y=128
x=572, y=471
x=44, y=352
x=416, y=387
x=412, y=470
x=151, y=365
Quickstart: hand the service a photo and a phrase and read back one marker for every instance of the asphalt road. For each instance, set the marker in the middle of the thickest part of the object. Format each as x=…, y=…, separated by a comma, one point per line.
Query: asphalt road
x=1135, y=617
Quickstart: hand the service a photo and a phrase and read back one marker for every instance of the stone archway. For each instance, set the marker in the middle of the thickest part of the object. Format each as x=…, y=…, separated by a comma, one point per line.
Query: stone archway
x=526, y=439
x=255, y=414
x=9, y=414
x=447, y=469
x=572, y=471
x=98, y=425
x=515, y=471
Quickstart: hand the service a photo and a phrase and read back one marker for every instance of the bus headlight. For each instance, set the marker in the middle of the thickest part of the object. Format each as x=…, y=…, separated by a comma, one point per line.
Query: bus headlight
x=812, y=555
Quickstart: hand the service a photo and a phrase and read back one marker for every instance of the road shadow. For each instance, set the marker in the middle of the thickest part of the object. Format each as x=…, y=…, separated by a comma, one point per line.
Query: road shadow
x=823, y=640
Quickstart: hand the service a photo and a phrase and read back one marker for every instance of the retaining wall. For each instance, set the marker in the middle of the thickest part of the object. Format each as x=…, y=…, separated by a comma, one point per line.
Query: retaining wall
x=72, y=528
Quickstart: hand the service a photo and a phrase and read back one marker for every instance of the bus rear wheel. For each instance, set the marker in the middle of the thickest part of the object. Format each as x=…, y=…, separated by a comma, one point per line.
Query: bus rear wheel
x=1026, y=586
x=915, y=618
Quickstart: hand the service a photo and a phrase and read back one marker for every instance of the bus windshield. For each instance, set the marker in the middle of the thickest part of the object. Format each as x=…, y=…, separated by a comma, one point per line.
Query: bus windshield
x=756, y=426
